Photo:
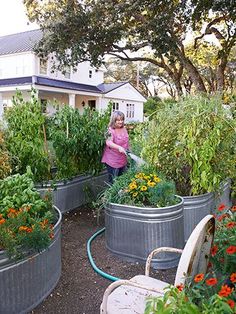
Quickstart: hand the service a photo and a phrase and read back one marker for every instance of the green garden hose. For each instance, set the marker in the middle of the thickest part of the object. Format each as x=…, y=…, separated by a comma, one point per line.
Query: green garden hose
x=98, y=270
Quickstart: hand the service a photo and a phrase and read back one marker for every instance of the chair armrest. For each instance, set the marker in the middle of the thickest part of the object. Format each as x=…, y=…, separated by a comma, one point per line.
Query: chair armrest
x=118, y=283
x=156, y=251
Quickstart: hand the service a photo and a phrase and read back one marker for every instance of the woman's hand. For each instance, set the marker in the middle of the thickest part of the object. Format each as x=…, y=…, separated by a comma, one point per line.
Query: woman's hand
x=122, y=150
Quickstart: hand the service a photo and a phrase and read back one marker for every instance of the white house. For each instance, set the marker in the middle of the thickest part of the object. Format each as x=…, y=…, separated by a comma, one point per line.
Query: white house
x=22, y=69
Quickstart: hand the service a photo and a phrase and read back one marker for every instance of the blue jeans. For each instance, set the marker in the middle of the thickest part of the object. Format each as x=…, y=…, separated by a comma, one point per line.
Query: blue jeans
x=114, y=172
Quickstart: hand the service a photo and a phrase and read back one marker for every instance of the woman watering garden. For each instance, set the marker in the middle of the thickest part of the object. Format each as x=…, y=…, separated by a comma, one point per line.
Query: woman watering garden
x=117, y=143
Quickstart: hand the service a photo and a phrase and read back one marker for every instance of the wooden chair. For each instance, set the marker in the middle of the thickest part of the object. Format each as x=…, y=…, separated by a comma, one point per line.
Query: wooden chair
x=129, y=296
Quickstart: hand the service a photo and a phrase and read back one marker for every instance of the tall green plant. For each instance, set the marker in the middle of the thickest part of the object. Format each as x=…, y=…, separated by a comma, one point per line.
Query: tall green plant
x=25, y=137
x=78, y=140
x=5, y=167
x=193, y=144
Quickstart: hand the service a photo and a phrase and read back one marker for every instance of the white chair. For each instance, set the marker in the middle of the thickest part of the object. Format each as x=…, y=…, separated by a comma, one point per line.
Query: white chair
x=129, y=296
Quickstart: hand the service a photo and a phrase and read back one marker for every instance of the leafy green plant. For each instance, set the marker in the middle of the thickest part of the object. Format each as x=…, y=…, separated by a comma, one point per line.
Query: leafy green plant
x=193, y=144
x=78, y=140
x=142, y=187
x=5, y=167
x=26, y=219
x=24, y=137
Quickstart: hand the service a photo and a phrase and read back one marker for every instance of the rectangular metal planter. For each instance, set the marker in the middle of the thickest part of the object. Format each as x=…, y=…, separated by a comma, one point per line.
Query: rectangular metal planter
x=70, y=194
x=133, y=232
x=24, y=284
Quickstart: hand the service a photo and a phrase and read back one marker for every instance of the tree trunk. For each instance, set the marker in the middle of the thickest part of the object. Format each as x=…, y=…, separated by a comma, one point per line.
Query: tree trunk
x=220, y=75
x=194, y=76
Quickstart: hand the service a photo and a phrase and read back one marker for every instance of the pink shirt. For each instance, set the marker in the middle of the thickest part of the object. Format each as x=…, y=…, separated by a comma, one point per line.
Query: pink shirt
x=112, y=156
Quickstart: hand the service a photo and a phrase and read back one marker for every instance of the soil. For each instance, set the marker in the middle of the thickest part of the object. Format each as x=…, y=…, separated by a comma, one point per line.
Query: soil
x=80, y=289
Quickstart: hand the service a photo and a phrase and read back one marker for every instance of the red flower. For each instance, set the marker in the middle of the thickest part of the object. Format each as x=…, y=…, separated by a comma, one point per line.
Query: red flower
x=209, y=265
x=211, y=281
x=230, y=224
x=225, y=291
x=220, y=218
x=198, y=277
x=221, y=207
x=233, y=209
x=233, y=277
x=231, y=249
x=180, y=287
x=231, y=303
x=214, y=250
x=2, y=221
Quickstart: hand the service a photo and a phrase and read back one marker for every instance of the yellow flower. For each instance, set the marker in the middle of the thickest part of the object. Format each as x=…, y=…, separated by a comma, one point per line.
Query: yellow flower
x=156, y=179
x=143, y=188
x=151, y=183
x=132, y=186
x=135, y=194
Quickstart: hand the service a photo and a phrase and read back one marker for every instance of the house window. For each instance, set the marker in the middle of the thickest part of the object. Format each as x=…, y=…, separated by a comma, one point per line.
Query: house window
x=115, y=106
x=67, y=72
x=92, y=104
x=129, y=110
x=90, y=73
x=44, y=105
x=43, y=65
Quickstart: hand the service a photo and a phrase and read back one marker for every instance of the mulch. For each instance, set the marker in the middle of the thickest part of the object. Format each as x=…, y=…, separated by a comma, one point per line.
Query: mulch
x=80, y=289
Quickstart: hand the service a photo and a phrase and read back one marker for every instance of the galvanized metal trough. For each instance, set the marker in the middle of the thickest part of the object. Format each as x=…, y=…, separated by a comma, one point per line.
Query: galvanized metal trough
x=24, y=284
x=133, y=232
x=70, y=194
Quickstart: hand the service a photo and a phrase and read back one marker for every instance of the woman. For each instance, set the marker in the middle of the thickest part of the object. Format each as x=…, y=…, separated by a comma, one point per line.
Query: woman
x=117, y=143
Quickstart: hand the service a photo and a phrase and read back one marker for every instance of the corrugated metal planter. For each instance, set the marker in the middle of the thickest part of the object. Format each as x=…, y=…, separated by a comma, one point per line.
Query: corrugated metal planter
x=70, y=194
x=196, y=208
x=24, y=284
x=133, y=232
x=223, y=195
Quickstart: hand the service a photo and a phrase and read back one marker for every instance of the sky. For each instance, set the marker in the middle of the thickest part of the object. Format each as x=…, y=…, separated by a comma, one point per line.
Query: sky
x=13, y=18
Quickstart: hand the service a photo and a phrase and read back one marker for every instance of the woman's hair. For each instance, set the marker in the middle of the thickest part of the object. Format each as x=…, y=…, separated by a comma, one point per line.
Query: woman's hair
x=114, y=117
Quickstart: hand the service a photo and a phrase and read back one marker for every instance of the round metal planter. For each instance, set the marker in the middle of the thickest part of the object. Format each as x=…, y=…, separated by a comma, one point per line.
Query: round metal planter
x=24, y=284
x=196, y=208
x=223, y=196
x=133, y=232
x=70, y=194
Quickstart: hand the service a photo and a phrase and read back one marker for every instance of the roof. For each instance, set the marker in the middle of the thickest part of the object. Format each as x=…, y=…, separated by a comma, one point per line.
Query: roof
x=37, y=80
x=20, y=42
x=107, y=87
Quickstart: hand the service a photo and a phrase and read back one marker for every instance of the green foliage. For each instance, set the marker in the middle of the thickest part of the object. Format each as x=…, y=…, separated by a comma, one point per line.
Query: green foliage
x=5, y=167
x=141, y=187
x=193, y=144
x=25, y=138
x=25, y=218
x=78, y=140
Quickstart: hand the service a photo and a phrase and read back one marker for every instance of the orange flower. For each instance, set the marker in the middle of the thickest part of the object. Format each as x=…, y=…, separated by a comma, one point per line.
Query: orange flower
x=211, y=281
x=2, y=221
x=231, y=249
x=11, y=212
x=51, y=235
x=231, y=303
x=233, y=209
x=225, y=291
x=180, y=287
x=233, y=277
x=220, y=218
x=198, y=277
x=23, y=228
x=230, y=224
x=214, y=250
x=221, y=207
x=29, y=229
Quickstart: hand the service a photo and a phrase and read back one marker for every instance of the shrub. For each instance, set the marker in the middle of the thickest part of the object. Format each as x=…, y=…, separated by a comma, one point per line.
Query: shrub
x=193, y=143
x=25, y=137
x=5, y=167
x=142, y=187
x=25, y=219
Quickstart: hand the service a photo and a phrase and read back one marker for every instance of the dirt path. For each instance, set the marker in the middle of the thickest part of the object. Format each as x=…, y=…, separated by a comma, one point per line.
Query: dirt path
x=80, y=289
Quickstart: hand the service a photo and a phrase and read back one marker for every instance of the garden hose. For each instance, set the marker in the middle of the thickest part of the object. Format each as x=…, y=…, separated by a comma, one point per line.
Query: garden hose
x=97, y=270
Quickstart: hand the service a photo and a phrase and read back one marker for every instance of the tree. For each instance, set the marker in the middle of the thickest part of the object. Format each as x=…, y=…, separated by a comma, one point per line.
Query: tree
x=88, y=30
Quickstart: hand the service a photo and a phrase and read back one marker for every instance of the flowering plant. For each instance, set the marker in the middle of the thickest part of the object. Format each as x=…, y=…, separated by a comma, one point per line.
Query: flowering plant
x=25, y=219
x=142, y=188
x=213, y=292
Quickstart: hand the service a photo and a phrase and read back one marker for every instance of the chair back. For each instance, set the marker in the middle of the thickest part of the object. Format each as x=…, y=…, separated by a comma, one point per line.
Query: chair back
x=197, y=250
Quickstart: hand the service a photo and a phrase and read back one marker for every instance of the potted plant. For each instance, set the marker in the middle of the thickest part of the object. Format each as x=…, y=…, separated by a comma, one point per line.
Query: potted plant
x=30, y=245
x=192, y=142
x=142, y=212
x=69, y=142
x=213, y=292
